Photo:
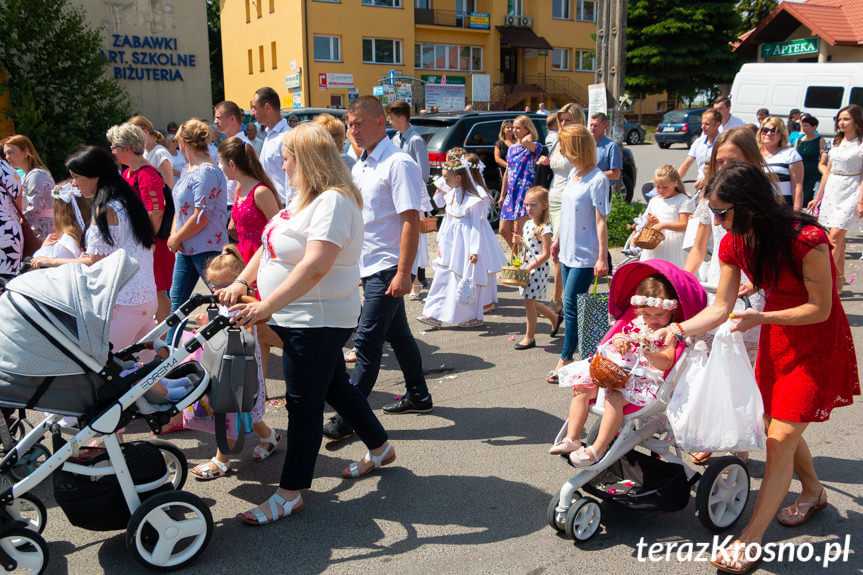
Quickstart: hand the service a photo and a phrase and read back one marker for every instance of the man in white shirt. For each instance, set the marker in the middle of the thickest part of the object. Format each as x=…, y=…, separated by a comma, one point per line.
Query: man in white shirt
x=699, y=152
x=228, y=119
x=391, y=185
x=266, y=110
x=252, y=136
x=722, y=104
x=541, y=109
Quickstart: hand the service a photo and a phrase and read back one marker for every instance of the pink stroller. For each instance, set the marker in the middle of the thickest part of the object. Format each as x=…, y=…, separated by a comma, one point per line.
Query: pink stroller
x=656, y=477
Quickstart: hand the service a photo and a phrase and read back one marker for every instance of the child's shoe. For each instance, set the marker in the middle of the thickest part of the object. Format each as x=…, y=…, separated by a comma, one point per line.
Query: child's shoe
x=565, y=446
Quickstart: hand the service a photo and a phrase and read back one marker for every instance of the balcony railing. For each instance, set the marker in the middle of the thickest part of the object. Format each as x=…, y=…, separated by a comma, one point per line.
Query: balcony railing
x=451, y=18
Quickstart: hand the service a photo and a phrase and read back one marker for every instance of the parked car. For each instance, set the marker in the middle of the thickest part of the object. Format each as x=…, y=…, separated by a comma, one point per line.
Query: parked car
x=679, y=127
x=306, y=114
x=633, y=133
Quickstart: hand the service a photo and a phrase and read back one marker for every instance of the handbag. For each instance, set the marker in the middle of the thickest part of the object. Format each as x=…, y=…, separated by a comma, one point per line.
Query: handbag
x=592, y=318
x=229, y=358
x=465, y=291
x=717, y=406
x=544, y=174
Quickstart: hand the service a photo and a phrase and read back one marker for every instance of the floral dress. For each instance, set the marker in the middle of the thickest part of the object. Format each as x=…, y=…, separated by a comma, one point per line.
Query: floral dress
x=11, y=240
x=203, y=187
x=520, y=177
x=537, y=284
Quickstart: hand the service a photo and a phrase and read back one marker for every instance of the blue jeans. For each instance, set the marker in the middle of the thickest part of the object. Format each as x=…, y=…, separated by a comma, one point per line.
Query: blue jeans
x=314, y=368
x=383, y=319
x=187, y=270
x=575, y=281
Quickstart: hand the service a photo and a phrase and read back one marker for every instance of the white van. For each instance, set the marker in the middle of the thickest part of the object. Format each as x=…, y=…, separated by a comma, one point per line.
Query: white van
x=818, y=89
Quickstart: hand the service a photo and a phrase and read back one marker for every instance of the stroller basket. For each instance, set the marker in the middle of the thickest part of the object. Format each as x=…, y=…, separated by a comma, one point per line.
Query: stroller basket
x=643, y=482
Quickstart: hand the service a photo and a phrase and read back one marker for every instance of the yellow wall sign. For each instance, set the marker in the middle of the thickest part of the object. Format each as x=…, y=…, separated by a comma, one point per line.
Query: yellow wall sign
x=479, y=20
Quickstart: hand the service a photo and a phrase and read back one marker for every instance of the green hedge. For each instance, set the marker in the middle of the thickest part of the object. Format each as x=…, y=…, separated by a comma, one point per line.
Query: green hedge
x=620, y=216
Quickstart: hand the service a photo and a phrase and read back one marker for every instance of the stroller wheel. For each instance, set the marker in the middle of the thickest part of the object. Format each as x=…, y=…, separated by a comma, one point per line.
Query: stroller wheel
x=557, y=519
x=582, y=519
x=30, y=510
x=722, y=493
x=30, y=461
x=175, y=460
x=169, y=530
x=27, y=549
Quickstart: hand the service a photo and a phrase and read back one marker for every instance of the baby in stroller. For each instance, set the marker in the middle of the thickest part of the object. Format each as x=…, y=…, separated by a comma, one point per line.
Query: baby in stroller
x=632, y=348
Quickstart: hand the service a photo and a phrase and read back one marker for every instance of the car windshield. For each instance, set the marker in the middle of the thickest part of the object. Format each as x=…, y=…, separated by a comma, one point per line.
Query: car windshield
x=674, y=117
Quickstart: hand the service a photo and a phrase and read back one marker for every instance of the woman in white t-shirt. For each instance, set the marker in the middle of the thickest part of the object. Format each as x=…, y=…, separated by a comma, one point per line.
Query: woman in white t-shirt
x=155, y=153
x=782, y=161
x=307, y=272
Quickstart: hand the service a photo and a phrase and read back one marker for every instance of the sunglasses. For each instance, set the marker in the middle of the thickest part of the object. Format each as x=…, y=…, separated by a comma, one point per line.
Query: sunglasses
x=768, y=130
x=215, y=287
x=720, y=213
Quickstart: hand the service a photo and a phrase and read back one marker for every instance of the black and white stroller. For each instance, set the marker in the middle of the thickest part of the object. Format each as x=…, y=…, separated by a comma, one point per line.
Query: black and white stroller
x=55, y=357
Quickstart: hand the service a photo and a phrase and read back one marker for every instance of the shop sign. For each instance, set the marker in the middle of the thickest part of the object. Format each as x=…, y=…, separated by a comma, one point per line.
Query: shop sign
x=340, y=81
x=790, y=48
x=447, y=97
x=156, y=58
x=443, y=79
x=479, y=20
x=292, y=80
x=322, y=81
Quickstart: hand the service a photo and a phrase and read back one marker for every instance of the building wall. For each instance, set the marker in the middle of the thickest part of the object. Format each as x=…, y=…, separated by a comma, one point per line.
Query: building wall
x=159, y=51
x=827, y=53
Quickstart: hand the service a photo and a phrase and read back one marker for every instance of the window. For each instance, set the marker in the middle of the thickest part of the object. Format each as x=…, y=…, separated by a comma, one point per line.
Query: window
x=560, y=9
x=385, y=3
x=514, y=7
x=448, y=57
x=273, y=53
x=333, y=1
x=586, y=11
x=585, y=60
x=258, y=7
x=560, y=59
x=327, y=49
x=824, y=97
x=465, y=6
x=856, y=96
x=382, y=51
x=261, y=56
x=248, y=11
x=422, y=4
x=272, y=6
x=251, y=62
x=483, y=134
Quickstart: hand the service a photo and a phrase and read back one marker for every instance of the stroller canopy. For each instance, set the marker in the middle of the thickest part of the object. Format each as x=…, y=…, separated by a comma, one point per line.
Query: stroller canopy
x=625, y=280
x=72, y=303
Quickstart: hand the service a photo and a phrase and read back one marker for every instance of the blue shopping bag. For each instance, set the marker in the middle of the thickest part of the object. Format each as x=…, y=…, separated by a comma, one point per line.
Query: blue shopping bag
x=592, y=317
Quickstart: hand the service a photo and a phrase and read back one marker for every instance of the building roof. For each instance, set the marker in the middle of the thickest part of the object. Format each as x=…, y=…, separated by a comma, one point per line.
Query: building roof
x=522, y=38
x=837, y=22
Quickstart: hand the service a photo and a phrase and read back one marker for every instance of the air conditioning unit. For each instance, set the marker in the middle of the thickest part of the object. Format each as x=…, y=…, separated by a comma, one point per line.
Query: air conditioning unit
x=526, y=21
x=511, y=20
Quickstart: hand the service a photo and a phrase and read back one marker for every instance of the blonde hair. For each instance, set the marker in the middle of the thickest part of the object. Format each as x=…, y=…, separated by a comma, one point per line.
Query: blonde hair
x=501, y=136
x=148, y=128
x=334, y=126
x=528, y=124
x=574, y=109
x=670, y=173
x=196, y=134
x=578, y=146
x=128, y=134
x=319, y=164
x=455, y=153
x=229, y=260
x=540, y=193
x=25, y=145
x=781, y=129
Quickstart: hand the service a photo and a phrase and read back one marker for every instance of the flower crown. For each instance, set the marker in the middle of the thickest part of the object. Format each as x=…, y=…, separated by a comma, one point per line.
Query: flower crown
x=644, y=301
x=454, y=164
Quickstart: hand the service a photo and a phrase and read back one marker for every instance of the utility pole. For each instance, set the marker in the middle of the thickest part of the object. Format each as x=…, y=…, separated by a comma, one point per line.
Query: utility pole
x=611, y=58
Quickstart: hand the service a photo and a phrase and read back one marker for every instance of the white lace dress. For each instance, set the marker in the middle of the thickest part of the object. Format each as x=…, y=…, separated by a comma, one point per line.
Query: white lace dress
x=842, y=190
x=142, y=287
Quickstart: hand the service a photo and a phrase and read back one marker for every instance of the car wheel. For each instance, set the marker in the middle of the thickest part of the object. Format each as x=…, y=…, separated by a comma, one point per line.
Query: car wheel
x=663, y=145
x=628, y=187
x=633, y=137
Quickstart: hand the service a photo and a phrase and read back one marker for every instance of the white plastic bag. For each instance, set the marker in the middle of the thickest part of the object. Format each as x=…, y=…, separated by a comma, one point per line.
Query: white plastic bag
x=465, y=291
x=719, y=408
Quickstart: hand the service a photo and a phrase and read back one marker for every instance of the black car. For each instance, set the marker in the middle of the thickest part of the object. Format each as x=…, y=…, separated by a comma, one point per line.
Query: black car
x=679, y=127
x=477, y=132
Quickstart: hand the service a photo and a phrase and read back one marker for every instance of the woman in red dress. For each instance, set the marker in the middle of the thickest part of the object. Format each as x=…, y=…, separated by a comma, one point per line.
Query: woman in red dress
x=806, y=362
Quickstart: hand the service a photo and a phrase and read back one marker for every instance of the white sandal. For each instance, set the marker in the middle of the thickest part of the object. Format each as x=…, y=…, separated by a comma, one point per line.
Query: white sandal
x=565, y=446
x=378, y=461
x=584, y=457
x=204, y=472
x=279, y=509
x=261, y=451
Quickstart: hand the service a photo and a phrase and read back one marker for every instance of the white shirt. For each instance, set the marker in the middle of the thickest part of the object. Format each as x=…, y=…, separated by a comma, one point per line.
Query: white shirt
x=271, y=159
x=733, y=122
x=158, y=155
x=258, y=144
x=335, y=300
x=700, y=151
x=579, y=244
x=232, y=184
x=391, y=184
x=551, y=138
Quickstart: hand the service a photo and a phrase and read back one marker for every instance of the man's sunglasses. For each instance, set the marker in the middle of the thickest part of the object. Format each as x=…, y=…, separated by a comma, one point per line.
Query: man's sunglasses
x=720, y=213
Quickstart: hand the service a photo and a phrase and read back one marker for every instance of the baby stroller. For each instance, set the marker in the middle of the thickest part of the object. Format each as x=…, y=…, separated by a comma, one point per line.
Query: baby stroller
x=55, y=357
x=657, y=477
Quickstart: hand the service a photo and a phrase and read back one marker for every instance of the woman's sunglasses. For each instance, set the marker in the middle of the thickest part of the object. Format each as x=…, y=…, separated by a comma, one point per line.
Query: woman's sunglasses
x=768, y=130
x=720, y=213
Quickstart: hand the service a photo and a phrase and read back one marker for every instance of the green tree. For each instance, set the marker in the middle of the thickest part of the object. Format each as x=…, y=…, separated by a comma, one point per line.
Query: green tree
x=59, y=92
x=680, y=47
x=752, y=12
x=214, y=34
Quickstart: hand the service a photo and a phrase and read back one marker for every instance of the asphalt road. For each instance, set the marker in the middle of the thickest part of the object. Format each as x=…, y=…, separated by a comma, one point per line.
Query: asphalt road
x=469, y=489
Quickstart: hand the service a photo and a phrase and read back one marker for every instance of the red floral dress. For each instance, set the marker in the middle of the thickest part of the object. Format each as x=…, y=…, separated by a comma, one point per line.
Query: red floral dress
x=249, y=221
x=803, y=371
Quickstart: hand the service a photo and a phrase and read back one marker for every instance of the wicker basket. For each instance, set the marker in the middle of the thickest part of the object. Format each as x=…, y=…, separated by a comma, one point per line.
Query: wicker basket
x=428, y=224
x=606, y=373
x=648, y=238
x=513, y=276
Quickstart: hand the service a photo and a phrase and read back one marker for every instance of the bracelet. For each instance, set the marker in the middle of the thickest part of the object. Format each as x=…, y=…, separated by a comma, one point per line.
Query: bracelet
x=677, y=330
x=242, y=281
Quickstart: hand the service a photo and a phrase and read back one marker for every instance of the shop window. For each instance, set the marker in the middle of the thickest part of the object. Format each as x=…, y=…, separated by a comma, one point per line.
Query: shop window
x=382, y=51
x=448, y=57
x=327, y=49
x=824, y=97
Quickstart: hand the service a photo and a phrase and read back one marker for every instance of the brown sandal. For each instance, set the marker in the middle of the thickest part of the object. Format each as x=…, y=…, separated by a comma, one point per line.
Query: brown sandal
x=800, y=513
x=735, y=554
x=701, y=457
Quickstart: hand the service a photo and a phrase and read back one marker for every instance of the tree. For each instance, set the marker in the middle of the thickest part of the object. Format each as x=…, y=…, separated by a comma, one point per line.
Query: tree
x=214, y=34
x=680, y=47
x=59, y=92
x=752, y=12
